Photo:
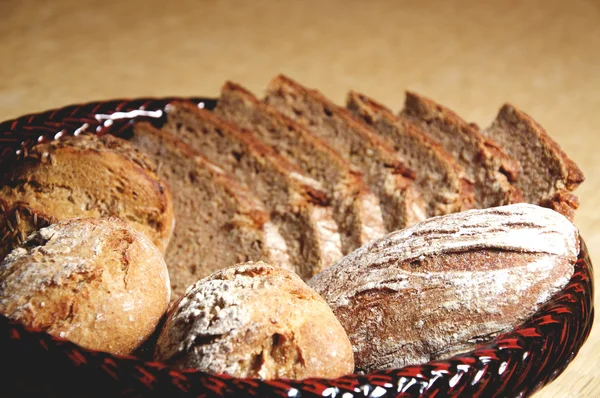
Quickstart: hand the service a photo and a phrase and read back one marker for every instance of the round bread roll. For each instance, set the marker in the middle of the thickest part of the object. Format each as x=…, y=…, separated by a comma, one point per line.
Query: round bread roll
x=255, y=320
x=92, y=176
x=95, y=281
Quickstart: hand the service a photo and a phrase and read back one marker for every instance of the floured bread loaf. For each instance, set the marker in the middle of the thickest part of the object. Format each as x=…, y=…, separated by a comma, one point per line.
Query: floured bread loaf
x=219, y=222
x=383, y=168
x=90, y=176
x=94, y=281
x=298, y=204
x=443, y=286
x=356, y=209
x=489, y=168
x=255, y=320
x=440, y=178
x=548, y=176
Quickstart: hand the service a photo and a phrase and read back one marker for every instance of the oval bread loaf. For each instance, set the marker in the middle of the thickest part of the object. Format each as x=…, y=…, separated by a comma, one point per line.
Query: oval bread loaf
x=96, y=282
x=255, y=320
x=444, y=285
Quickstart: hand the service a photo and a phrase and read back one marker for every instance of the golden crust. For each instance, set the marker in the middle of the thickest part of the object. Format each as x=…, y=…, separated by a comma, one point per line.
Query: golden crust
x=96, y=282
x=90, y=176
x=255, y=320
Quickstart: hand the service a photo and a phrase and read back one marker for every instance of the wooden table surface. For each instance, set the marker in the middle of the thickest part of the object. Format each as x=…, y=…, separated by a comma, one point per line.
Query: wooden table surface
x=543, y=56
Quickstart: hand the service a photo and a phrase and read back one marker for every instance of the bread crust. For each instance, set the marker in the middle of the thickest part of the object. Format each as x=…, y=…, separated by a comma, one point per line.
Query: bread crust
x=95, y=281
x=90, y=176
x=449, y=283
x=255, y=320
x=17, y=222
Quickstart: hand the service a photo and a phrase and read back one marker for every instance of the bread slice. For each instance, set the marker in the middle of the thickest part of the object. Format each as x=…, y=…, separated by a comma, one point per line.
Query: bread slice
x=485, y=164
x=384, y=170
x=356, y=208
x=91, y=176
x=440, y=178
x=547, y=175
x=298, y=204
x=219, y=222
x=17, y=222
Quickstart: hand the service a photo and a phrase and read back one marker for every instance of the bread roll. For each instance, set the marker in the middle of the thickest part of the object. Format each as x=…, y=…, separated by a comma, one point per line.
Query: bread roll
x=255, y=320
x=96, y=282
x=90, y=176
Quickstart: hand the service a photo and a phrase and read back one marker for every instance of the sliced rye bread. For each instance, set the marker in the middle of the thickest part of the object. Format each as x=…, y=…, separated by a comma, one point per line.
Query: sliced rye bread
x=18, y=221
x=356, y=208
x=485, y=164
x=440, y=178
x=218, y=222
x=384, y=170
x=548, y=175
x=298, y=204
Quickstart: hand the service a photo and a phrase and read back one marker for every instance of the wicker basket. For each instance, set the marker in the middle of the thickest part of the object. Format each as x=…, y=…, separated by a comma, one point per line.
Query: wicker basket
x=514, y=364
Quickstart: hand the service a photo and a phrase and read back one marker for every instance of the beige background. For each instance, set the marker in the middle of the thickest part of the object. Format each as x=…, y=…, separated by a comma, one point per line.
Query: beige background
x=543, y=56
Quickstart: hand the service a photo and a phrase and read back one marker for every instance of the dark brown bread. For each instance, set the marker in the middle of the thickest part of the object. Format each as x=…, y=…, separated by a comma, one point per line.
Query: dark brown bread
x=356, y=208
x=547, y=175
x=255, y=320
x=219, y=222
x=17, y=222
x=486, y=165
x=439, y=177
x=384, y=170
x=91, y=176
x=449, y=283
x=298, y=204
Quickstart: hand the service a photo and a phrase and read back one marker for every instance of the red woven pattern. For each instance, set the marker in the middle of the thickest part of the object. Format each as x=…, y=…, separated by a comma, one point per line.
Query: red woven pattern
x=113, y=117
x=514, y=364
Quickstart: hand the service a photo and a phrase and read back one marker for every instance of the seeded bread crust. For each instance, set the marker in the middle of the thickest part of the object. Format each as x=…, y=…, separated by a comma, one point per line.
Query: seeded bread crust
x=17, y=222
x=548, y=175
x=91, y=176
x=490, y=169
x=440, y=178
x=298, y=204
x=219, y=222
x=384, y=170
x=356, y=208
x=255, y=320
